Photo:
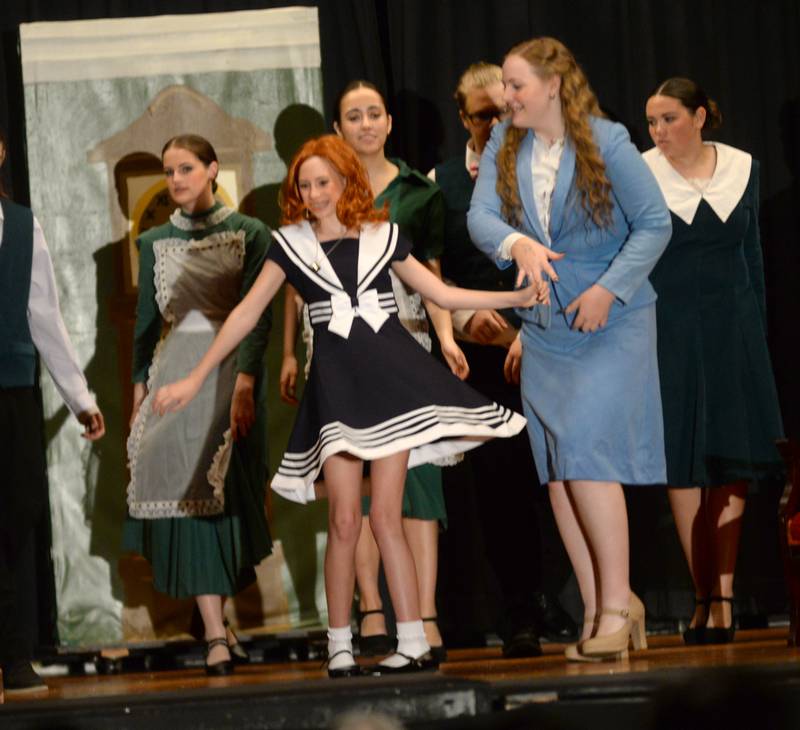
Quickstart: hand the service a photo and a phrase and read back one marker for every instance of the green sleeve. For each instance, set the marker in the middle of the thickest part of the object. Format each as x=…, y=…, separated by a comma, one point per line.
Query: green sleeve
x=434, y=223
x=752, y=248
x=148, y=318
x=251, y=353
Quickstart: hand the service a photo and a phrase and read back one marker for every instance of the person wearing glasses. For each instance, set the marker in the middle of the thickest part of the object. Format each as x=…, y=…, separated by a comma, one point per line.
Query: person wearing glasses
x=491, y=344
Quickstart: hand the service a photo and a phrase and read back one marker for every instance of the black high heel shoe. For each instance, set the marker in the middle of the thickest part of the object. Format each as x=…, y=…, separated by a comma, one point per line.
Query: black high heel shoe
x=239, y=655
x=696, y=635
x=716, y=635
x=220, y=669
x=439, y=653
x=376, y=644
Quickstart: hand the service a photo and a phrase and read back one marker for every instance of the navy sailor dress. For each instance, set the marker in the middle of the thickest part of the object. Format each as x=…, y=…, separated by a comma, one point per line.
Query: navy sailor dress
x=372, y=390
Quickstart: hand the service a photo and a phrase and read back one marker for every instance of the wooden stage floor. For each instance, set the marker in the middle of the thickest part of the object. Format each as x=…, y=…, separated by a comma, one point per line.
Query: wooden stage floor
x=529, y=678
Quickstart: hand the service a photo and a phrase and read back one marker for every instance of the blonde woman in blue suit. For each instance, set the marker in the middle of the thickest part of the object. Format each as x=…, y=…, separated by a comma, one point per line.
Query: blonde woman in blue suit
x=564, y=195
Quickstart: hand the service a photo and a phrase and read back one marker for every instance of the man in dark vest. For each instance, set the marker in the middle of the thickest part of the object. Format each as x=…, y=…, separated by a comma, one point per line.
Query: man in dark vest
x=30, y=322
x=511, y=511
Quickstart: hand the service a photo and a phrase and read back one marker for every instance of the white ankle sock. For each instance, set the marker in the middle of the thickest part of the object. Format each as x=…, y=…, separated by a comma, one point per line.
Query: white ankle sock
x=411, y=641
x=340, y=640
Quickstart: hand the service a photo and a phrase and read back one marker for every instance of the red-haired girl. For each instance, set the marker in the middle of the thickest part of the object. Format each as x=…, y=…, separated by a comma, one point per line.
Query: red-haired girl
x=372, y=394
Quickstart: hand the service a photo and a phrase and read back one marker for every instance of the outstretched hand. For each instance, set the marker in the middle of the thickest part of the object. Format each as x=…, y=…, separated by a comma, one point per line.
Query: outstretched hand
x=533, y=260
x=593, y=306
x=535, y=293
x=175, y=396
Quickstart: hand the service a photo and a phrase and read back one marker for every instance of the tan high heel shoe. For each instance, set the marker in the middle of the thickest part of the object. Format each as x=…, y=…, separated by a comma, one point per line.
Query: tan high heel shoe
x=572, y=651
x=615, y=646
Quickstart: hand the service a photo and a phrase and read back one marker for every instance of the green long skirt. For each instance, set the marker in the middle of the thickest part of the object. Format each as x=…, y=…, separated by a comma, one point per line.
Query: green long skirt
x=193, y=556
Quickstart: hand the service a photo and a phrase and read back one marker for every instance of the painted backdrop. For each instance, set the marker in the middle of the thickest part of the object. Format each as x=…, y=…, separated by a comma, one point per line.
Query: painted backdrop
x=101, y=98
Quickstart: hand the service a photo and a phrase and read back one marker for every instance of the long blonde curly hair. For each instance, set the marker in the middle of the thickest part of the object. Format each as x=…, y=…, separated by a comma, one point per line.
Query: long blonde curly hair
x=549, y=57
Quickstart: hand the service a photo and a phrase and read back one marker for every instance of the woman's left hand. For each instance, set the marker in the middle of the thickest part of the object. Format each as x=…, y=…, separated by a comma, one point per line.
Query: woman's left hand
x=455, y=359
x=243, y=407
x=592, y=307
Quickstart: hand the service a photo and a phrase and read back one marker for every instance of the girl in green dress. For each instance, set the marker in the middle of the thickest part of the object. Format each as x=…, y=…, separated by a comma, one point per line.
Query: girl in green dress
x=721, y=416
x=196, y=496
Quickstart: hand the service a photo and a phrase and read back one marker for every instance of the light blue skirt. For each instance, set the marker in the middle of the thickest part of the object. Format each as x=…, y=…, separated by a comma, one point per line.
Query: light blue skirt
x=593, y=400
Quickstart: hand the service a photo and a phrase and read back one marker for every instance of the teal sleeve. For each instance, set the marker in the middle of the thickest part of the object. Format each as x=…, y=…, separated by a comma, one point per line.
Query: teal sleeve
x=251, y=352
x=148, y=318
x=752, y=247
x=434, y=225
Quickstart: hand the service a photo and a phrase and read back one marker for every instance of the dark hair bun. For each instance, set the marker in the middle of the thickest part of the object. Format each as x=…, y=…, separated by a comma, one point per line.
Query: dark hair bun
x=713, y=116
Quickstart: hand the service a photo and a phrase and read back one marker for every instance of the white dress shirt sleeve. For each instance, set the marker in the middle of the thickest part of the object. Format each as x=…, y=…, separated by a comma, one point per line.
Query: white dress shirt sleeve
x=49, y=334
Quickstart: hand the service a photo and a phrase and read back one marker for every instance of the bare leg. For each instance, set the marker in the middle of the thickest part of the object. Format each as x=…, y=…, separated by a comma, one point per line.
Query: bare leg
x=388, y=478
x=342, y=474
x=601, y=511
x=368, y=561
x=210, y=608
x=689, y=511
x=423, y=539
x=578, y=551
x=725, y=507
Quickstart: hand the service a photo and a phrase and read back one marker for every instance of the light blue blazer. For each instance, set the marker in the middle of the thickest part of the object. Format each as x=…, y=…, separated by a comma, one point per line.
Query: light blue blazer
x=618, y=258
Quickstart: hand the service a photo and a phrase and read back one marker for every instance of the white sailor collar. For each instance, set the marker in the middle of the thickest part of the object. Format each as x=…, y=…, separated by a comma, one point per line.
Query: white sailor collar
x=724, y=190
x=377, y=243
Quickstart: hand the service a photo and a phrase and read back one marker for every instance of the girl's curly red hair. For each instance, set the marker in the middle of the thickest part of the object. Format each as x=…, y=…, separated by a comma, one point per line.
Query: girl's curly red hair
x=356, y=205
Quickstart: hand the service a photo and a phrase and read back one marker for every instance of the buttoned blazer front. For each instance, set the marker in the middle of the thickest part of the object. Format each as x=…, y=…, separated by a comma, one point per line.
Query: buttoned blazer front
x=619, y=256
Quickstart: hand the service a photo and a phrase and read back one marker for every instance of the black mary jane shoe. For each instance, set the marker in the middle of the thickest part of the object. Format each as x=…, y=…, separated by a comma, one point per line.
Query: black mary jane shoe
x=425, y=663
x=239, y=655
x=352, y=670
x=439, y=653
x=714, y=635
x=696, y=635
x=220, y=669
x=376, y=644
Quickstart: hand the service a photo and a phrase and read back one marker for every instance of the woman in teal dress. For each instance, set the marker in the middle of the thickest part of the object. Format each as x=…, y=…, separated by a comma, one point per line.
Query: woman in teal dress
x=417, y=206
x=196, y=496
x=721, y=416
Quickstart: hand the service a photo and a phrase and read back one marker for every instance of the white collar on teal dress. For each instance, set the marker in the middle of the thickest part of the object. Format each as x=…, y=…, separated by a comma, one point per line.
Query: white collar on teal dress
x=724, y=190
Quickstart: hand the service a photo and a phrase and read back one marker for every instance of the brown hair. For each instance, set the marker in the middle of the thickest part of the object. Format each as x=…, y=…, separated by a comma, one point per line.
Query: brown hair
x=689, y=93
x=199, y=146
x=477, y=76
x=352, y=86
x=549, y=58
x=356, y=204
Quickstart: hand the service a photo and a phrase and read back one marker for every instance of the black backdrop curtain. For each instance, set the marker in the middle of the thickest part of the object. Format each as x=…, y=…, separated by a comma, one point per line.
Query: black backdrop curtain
x=746, y=55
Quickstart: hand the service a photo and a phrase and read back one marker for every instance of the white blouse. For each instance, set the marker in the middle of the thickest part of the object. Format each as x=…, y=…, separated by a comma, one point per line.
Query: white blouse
x=47, y=328
x=545, y=161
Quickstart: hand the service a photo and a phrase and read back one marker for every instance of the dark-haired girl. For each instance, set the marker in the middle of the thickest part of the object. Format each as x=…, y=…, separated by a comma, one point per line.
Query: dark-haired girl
x=721, y=414
x=196, y=496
